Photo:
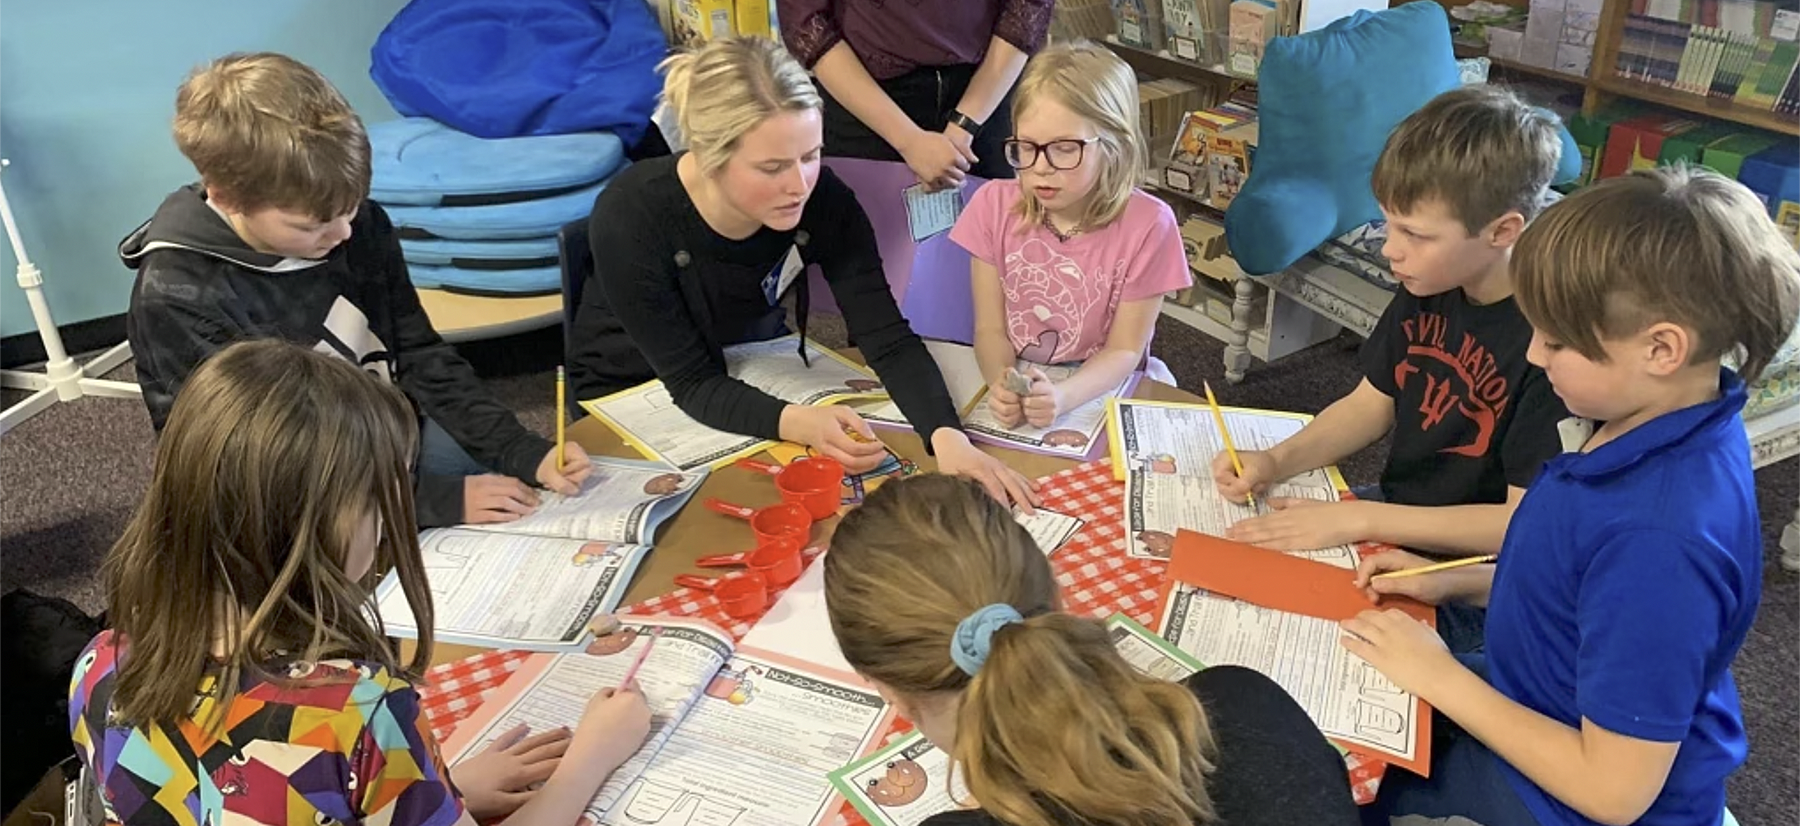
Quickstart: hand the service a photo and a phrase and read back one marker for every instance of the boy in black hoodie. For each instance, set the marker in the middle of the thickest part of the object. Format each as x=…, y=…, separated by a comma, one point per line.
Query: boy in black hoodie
x=279, y=240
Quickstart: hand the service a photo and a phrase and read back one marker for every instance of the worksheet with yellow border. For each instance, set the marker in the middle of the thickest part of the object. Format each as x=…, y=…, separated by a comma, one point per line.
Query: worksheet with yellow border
x=1163, y=451
x=647, y=418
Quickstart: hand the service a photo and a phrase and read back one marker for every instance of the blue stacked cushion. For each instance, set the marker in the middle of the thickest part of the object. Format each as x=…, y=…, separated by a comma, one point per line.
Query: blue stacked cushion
x=480, y=215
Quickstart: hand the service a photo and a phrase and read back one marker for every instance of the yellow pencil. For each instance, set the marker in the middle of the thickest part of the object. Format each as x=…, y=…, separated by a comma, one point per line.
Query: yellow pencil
x=1225, y=434
x=562, y=415
x=1441, y=566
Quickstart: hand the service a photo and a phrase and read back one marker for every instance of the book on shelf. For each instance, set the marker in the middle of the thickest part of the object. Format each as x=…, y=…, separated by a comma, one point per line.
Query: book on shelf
x=1740, y=52
x=1140, y=23
x=1253, y=23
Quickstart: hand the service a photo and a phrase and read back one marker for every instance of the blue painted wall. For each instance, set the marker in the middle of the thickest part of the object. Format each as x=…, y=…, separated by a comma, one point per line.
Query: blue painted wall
x=87, y=89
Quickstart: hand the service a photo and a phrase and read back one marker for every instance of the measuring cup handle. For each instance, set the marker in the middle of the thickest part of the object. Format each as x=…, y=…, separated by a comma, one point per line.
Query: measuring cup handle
x=759, y=466
x=719, y=560
x=729, y=509
x=691, y=581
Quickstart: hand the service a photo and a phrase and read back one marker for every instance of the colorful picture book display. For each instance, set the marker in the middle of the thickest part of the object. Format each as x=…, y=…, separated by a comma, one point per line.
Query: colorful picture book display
x=1077, y=434
x=535, y=583
x=647, y=418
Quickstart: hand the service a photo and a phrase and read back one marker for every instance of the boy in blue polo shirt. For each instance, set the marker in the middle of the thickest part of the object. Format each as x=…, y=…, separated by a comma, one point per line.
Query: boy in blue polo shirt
x=1632, y=569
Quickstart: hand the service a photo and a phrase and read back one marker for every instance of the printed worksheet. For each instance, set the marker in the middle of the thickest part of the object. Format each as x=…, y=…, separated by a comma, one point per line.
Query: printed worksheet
x=1347, y=698
x=757, y=748
x=739, y=737
x=1048, y=528
x=1076, y=434
x=548, y=691
x=1150, y=654
x=909, y=780
x=904, y=783
x=647, y=418
x=502, y=590
x=1164, y=453
x=622, y=501
x=929, y=213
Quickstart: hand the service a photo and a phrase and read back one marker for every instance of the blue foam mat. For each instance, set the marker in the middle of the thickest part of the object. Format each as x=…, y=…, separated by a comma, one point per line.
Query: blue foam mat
x=537, y=281
x=419, y=161
x=495, y=222
x=447, y=252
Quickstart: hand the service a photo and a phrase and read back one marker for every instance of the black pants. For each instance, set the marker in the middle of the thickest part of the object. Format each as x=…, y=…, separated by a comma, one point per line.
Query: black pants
x=927, y=95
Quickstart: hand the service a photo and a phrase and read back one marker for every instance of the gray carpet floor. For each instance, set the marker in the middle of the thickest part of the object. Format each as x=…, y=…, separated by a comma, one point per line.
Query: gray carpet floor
x=70, y=477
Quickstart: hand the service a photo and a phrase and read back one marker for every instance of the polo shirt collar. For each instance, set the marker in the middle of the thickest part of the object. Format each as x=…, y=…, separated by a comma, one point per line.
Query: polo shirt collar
x=1663, y=431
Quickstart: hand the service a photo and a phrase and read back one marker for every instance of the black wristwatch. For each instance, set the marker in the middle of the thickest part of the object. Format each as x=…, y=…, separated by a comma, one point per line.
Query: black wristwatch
x=967, y=124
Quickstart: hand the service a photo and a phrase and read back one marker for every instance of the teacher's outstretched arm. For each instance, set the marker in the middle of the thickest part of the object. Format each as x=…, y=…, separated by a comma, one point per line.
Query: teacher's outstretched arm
x=851, y=263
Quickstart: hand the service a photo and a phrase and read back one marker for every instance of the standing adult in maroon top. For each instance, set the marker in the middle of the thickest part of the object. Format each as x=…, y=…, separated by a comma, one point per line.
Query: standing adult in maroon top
x=927, y=82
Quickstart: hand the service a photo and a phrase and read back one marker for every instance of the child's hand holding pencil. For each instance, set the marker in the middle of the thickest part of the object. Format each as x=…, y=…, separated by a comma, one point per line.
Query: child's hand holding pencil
x=1400, y=573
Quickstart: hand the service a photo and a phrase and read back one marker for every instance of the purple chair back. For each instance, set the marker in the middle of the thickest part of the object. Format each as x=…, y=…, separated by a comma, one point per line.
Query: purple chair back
x=929, y=280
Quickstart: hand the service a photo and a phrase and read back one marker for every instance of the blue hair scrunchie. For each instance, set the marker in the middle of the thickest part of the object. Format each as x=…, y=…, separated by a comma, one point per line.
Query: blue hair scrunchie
x=975, y=635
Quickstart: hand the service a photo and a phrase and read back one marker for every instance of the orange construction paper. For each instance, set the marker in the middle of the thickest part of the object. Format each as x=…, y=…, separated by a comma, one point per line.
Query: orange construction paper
x=1276, y=580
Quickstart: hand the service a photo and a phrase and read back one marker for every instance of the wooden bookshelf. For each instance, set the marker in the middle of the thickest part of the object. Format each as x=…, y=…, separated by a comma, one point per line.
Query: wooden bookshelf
x=1607, y=86
x=1540, y=72
x=1782, y=123
x=1161, y=64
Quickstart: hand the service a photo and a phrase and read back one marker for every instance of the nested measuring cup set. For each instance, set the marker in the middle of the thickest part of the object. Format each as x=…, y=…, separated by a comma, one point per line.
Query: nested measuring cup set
x=811, y=489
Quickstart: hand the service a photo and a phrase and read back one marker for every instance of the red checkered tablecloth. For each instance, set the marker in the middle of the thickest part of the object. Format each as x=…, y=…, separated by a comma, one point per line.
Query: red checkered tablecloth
x=1097, y=577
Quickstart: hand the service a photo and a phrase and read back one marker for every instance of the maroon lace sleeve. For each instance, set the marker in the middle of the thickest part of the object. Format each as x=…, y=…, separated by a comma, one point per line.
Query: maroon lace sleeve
x=1023, y=23
x=808, y=28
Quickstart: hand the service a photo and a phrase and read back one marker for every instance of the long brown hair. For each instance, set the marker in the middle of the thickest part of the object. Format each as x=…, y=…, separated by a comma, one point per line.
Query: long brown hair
x=272, y=458
x=1054, y=725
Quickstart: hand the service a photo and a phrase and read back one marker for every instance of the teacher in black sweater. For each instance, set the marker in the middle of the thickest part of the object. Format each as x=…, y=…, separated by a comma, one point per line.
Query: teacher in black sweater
x=696, y=251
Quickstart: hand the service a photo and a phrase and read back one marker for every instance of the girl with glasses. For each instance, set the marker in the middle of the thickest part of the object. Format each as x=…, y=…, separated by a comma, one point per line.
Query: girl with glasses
x=1070, y=260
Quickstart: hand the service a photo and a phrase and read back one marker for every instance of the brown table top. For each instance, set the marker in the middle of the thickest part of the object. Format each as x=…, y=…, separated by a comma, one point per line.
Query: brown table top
x=697, y=531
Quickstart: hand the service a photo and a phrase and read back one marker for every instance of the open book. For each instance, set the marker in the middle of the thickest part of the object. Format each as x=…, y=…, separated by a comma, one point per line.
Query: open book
x=647, y=419
x=737, y=736
x=1076, y=434
x=909, y=779
x=535, y=583
x=1163, y=451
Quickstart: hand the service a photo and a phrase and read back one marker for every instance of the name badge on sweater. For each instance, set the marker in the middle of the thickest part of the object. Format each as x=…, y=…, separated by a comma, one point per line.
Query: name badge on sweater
x=777, y=282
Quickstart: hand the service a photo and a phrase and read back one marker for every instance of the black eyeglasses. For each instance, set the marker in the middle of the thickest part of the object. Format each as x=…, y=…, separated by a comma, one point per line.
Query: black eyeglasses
x=1062, y=154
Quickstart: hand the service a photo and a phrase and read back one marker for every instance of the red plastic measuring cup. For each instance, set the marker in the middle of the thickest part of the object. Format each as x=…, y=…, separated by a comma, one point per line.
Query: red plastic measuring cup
x=742, y=595
x=812, y=482
x=770, y=522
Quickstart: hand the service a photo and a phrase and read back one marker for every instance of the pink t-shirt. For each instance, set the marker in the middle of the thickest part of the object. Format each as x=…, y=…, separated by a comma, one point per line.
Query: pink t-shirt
x=1061, y=295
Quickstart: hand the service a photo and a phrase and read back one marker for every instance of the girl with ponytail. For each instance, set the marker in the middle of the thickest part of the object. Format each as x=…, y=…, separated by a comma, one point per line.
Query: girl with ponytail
x=943, y=602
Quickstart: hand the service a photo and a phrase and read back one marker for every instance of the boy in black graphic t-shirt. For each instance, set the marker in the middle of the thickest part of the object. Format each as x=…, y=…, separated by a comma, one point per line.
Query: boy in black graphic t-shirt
x=1445, y=367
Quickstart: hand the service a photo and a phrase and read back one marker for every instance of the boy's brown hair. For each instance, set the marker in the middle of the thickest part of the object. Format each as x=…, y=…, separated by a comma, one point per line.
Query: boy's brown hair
x=1681, y=244
x=1479, y=150
x=265, y=130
